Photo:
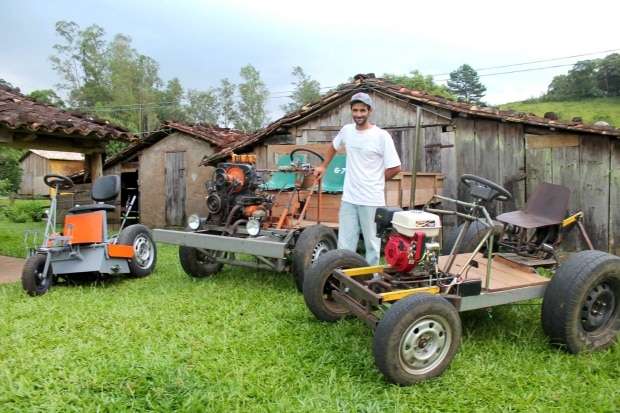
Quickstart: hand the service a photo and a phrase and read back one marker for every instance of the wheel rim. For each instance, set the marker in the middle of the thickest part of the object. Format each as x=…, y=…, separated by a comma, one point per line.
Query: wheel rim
x=425, y=344
x=42, y=281
x=319, y=249
x=598, y=307
x=144, y=251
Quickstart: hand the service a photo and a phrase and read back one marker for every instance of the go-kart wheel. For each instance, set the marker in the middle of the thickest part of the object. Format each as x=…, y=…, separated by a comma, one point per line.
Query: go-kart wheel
x=34, y=281
x=53, y=180
x=417, y=339
x=313, y=242
x=199, y=263
x=144, y=249
x=501, y=193
x=319, y=283
x=581, y=306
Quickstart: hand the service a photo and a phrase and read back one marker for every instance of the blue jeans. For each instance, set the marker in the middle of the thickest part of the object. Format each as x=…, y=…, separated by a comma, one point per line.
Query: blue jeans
x=353, y=218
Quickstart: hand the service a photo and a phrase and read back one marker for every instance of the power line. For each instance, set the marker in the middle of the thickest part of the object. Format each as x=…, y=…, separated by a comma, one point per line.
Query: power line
x=533, y=69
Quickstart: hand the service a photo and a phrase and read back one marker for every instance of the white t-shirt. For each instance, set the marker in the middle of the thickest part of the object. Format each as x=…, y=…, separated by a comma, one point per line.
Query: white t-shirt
x=369, y=153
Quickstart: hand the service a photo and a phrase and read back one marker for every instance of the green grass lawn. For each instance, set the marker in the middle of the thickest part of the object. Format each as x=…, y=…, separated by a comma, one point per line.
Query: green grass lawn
x=12, y=234
x=244, y=341
x=591, y=110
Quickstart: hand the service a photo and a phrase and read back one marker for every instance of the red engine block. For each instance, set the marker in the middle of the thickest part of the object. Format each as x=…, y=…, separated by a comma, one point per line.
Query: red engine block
x=397, y=250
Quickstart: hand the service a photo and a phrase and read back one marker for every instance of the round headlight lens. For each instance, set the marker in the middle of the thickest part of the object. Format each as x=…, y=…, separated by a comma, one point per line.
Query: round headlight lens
x=253, y=227
x=193, y=222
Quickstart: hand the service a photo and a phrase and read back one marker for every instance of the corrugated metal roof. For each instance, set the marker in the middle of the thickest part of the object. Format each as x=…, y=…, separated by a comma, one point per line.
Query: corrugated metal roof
x=368, y=83
x=21, y=113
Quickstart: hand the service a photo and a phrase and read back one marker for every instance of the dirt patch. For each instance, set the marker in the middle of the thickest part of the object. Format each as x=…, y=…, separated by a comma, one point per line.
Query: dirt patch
x=10, y=269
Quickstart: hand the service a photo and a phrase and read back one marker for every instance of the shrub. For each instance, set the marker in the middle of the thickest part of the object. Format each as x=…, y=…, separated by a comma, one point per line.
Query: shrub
x=25, y=211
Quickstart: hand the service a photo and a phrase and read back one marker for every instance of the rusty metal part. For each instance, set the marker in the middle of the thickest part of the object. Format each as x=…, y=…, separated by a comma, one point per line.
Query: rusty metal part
x=547, y=206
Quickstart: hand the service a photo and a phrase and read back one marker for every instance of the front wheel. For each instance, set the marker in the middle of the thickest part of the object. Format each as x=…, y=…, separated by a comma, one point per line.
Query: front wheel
x=34, y=281
x=581, y=306
x=144, y=250
x=417, y=339
x=199, y=263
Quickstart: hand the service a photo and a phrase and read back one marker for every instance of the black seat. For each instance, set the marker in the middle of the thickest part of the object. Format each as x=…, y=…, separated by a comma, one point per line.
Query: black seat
x=105, y=188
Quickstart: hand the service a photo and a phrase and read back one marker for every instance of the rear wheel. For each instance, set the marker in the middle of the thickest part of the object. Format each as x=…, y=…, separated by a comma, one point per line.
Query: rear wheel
x=144, y=250
x=313, y=242
x=581, y=306
x=417, y=339
x=319, y=283
x=34, y=281
x=199, y=263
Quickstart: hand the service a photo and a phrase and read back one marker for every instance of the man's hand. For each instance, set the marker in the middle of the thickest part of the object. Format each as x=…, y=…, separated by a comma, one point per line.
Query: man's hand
x=318, y=171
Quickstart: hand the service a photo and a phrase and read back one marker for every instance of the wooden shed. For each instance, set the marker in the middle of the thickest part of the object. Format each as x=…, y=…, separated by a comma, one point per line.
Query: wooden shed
x=163, y=170
x=514, y=149
x=35, y=164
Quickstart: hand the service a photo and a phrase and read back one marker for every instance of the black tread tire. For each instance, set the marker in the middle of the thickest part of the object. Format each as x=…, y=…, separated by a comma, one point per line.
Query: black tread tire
x=395, y=323
x=472, y=237
x=304, y=250
x=189, y=258
x=33, y=265
x=565, y=295
x=321, y=306
x=127, y=237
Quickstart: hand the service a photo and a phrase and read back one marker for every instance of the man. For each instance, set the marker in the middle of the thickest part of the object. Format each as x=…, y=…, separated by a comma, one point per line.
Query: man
x=371, y=160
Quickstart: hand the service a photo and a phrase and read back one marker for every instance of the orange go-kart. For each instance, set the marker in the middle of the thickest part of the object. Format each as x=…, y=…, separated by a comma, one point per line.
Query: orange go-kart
x=84, y=245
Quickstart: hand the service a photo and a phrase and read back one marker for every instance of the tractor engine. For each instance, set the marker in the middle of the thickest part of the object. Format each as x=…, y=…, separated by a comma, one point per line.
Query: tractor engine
x=232, y=194
x=410, y=236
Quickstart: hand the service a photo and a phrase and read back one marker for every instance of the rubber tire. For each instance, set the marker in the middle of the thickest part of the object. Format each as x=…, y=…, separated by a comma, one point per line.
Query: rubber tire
x=317, y=276
x=472, y=237
x=188, y=257
x=565, y=294
x=394, y=324
x=304, y=248
x=127, y=237
x=32, y=266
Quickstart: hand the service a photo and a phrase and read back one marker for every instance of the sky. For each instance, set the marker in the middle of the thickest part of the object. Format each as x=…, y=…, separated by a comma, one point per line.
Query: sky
x=201, y=42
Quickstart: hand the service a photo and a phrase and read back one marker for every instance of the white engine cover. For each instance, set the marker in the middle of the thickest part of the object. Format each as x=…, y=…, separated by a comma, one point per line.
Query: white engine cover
x=416, y=220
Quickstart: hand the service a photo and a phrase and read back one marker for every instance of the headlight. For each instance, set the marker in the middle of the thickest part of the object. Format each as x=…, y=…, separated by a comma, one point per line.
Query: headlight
x=253, y=227
x=193, y=222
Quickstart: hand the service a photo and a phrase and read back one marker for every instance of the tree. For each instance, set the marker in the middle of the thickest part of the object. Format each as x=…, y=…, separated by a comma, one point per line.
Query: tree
x=10, y=171
x=306, y=90
x=226, y=102
x=582, y=82
x=47, y=96
x=202, y=106
x=416, y=80
x=608, y=75
x=253, y=95
x=171, y=102
x=465, y=84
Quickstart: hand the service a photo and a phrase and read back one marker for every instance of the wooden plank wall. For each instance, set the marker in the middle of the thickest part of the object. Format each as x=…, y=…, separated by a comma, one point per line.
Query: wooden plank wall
x=614, y=198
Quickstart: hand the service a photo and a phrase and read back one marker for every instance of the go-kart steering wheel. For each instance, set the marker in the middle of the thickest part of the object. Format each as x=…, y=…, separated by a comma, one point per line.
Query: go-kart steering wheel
x=294, y=151
x=485, y=189
x=58, y=181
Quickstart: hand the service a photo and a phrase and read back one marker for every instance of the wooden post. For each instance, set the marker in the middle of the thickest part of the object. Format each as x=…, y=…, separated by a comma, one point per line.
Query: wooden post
x=414, y=161
x=94, y=165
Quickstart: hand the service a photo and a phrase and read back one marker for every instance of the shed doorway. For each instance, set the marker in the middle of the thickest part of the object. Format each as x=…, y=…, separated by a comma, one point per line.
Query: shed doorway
x=175, y=188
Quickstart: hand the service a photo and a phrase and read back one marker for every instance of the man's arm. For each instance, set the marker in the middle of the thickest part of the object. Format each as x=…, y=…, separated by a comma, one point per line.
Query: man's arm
x=391, y=172
x=320, y=170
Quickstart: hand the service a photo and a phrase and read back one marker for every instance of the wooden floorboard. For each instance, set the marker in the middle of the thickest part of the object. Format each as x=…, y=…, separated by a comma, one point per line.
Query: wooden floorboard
x=504, y=274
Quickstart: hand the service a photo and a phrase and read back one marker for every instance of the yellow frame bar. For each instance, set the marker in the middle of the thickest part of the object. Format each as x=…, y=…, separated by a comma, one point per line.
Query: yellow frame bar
x=353, y=272
x=568, y=221
x=397, y=295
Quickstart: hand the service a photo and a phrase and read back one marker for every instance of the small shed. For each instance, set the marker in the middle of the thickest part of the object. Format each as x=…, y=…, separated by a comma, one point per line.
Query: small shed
x=36, y=163
x=517, y=150
x=163, y=170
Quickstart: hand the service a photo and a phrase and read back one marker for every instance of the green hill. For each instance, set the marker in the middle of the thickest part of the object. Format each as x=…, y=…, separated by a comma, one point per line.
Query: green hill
x=590, y=110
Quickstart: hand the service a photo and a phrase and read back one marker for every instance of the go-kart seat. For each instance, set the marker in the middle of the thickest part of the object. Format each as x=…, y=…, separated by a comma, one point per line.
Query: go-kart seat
x=105, y=189
x=548, y=205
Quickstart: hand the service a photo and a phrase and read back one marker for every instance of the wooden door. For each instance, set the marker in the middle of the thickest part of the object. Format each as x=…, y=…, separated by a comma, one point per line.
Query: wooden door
x=175, y=188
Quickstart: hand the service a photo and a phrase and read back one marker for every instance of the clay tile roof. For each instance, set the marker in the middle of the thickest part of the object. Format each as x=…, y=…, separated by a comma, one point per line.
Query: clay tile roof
x=216, y=136
x=369, y=83
x=21, y=113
